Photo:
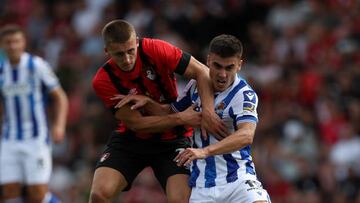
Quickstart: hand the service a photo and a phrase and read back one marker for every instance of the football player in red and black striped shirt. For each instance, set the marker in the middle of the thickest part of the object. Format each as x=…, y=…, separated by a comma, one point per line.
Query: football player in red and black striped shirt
x=147, y=66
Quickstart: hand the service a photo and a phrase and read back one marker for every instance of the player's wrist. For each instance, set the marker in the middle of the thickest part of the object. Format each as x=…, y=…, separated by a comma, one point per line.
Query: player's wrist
x=207, y=111
x=177, y=118
x=207, y=152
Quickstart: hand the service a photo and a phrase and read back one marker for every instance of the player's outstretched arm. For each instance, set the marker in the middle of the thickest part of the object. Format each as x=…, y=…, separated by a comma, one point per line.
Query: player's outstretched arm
x=134, y=120
x=140, y=101
x=211, y=121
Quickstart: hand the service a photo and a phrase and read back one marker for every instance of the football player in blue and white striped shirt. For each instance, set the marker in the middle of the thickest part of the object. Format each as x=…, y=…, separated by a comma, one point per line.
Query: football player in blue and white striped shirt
x=25, y=150
x=222, y=169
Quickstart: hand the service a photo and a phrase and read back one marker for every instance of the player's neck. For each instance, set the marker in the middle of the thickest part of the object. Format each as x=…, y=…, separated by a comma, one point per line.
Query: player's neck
x=14, y=61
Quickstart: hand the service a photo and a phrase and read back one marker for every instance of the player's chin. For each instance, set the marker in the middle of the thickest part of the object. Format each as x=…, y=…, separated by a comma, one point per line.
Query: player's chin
x=219, y=87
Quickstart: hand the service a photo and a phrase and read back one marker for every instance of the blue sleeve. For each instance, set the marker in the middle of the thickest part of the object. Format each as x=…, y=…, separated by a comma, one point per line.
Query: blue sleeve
x=183, y=103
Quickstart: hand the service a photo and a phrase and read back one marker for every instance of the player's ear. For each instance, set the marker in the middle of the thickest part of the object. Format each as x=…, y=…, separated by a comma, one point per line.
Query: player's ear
x=208, y=60
x=137, y=41
x=240, y=64
x=106, y=51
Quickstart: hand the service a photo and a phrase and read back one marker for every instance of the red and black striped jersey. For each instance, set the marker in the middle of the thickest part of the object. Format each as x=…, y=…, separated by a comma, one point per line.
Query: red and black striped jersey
x=153, y=75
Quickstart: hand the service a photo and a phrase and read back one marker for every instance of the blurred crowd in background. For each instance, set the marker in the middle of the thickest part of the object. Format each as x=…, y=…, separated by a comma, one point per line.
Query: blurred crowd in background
x=301, y=57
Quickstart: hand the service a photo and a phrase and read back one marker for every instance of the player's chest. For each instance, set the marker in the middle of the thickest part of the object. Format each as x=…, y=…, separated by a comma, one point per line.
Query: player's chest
x=18, y=82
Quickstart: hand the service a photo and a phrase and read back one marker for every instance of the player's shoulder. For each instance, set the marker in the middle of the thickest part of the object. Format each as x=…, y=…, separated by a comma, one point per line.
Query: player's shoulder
x=101, y=76
x=151, y=46
x=246, y=92
x=38, y=61
x=153, y=42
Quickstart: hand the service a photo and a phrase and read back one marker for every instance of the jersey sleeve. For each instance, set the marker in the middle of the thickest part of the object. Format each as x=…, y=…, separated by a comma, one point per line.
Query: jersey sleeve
x=46, y=74
x=245, y=110
x=172, y=58
x=104, y=89
x=184, y=100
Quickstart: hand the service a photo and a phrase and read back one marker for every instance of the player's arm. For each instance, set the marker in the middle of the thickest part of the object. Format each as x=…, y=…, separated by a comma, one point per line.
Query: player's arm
x=58, y=96
x=211, y=121
x=60, y=108
x=133, y=119
x=154, y=124
x=150, y=106
x=240, y=138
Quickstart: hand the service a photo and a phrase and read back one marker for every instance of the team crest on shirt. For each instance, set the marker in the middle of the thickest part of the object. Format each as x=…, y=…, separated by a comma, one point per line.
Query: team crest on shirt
x=104, y=157
x=220, y=108
x=150, y=74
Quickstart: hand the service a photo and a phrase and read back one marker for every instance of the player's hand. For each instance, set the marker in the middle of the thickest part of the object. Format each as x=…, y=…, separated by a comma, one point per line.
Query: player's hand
x=136, y=101
x=191, y=117
x=58, y=134
x=212, y=123
x=185, y=157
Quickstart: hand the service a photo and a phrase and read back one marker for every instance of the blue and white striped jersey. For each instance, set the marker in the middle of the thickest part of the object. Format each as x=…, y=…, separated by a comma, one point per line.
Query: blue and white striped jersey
x=23, y=93
x=235, y=105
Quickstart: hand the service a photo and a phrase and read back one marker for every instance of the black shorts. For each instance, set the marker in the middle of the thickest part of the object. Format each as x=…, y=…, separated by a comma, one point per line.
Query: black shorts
x=130, y=155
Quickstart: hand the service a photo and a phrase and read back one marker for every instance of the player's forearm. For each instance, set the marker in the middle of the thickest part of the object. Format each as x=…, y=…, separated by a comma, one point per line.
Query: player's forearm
x=206, y=92
x=155, y=124
x=61, y=106
x=157, y=109
x=235, y=141
x=200, y=73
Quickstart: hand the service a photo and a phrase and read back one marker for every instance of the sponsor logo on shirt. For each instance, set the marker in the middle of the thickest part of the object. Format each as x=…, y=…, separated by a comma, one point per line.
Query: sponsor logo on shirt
x=16, y=89
x=150, y=74
x=132, y=91
x=249, y=96
x=220, y=108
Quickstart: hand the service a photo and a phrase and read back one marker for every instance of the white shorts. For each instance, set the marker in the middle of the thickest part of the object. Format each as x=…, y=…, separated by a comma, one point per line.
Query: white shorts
x=246, y=191
x=25, y=163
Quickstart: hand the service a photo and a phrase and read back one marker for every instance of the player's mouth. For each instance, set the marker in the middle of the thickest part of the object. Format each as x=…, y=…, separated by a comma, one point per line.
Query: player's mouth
x=221, y=82
x=126, y=67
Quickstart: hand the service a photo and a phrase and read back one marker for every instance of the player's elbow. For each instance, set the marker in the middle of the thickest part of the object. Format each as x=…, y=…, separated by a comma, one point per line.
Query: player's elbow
x=248, y=139
x=136, y=126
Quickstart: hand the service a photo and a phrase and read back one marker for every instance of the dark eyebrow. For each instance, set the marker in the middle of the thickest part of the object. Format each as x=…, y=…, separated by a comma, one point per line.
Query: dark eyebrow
x=217, y=64
x=230, y=66
x=220, y=65
x=123, y=52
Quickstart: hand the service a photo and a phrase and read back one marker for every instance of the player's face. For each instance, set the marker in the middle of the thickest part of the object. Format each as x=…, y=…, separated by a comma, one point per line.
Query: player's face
x=14, y=45
x=223, y=70
x=124, y=54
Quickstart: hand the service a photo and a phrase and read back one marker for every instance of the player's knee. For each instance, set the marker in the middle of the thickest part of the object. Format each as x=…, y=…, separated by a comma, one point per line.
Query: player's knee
x=178, y=199
x=36, y=197
x=99, y=196
x=10, y=192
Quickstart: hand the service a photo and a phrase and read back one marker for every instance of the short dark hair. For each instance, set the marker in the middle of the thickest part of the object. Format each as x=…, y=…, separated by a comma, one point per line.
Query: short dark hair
x=226, y=46
x=10, y=29
x=118, y=31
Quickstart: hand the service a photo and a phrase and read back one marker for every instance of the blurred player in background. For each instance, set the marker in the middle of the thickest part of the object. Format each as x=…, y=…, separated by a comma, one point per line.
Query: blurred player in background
x=147, y=66
x=25, y=151
x=221, y=168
